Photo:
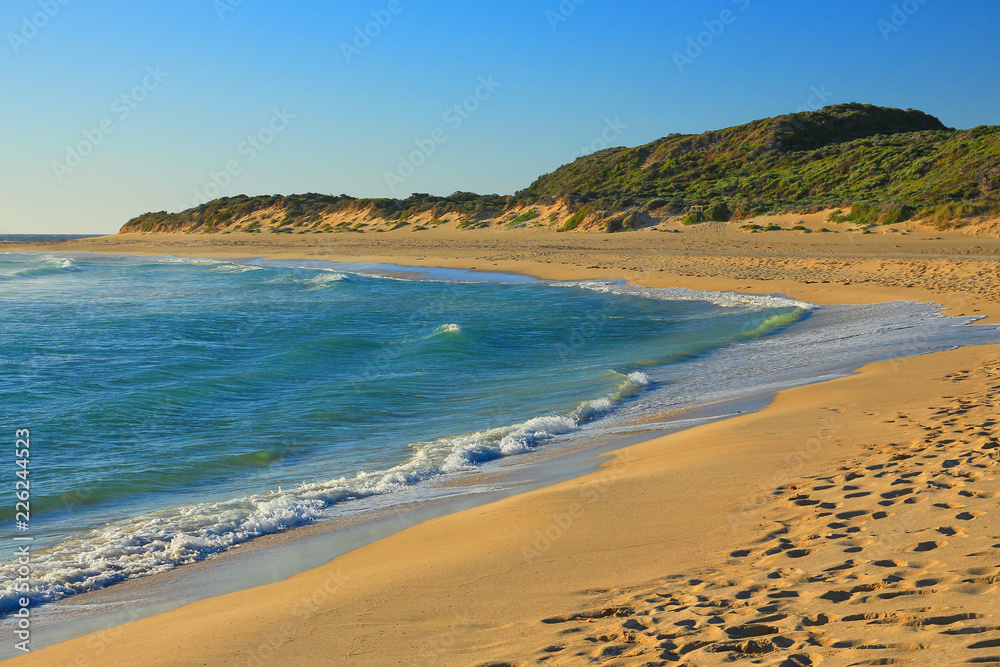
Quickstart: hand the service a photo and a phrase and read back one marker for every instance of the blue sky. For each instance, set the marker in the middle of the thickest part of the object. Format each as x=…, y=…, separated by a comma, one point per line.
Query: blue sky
x=115, y=108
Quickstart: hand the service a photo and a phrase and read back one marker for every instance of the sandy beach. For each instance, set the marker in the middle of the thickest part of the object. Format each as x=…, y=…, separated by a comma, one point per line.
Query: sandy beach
x=849, y=523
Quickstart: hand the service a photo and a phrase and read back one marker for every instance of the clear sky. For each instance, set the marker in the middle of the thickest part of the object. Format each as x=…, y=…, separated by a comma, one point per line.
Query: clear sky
x=113, y=108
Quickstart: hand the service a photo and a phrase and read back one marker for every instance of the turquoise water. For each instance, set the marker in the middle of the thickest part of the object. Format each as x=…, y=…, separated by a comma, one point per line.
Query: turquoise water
x=36, y=238
x=178, y=408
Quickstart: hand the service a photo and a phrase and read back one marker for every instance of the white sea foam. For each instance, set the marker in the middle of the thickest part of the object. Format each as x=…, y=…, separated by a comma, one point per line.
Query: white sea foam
x=443, y=329
x=724, y=299
x=172, y=259
x=163, y=540
x=237, y=268
x=47, y=265
x=318, y=281
x=324, y=279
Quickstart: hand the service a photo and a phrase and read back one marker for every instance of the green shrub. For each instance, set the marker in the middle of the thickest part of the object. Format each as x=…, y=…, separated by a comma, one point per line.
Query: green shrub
x=867, y=213
x=574, y=220
x=715, y=212
x=954, y=214
x=627, y=222
x=525, y=217
x=469, y=223
x=895, y=213
x=719, y=212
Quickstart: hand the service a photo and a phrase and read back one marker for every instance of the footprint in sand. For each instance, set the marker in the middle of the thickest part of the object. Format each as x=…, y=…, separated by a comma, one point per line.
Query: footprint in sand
x=968, y=516
x=989, y=643
x=836, y=596
x=930, y=546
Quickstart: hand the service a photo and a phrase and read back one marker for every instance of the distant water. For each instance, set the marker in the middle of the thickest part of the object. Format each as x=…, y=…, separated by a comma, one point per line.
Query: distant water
x=37, y=238
x=181, y=407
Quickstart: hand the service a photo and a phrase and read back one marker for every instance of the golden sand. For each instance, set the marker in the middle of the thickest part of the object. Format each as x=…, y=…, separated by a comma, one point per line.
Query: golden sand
x=850, y=522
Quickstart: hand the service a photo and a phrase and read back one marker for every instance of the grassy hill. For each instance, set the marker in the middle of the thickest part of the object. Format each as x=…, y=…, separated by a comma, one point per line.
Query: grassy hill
x=316, y=212
x=888, y=164
x=836, y=157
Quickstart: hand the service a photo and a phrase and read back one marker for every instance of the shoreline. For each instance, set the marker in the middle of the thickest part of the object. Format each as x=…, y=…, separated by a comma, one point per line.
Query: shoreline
x=275, y=557
x=855, y=268
x=146, y=595
x=465, y=639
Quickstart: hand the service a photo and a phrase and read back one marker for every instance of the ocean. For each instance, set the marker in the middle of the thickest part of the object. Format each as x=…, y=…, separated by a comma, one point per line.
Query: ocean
x=39, y=238
x=179, y=407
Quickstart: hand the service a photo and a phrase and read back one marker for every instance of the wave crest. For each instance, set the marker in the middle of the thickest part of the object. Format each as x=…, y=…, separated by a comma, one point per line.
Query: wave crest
x=166, y=539
x=723, y=299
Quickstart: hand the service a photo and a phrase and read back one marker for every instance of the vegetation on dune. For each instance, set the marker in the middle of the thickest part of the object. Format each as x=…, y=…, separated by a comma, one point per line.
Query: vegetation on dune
x=574, y=220
x=625, y=221
x=950, y=215
x=882, y=165
x=308, y=209
x=716, y=212
x=868, y=213
x=898, y=162
x=528, y=215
